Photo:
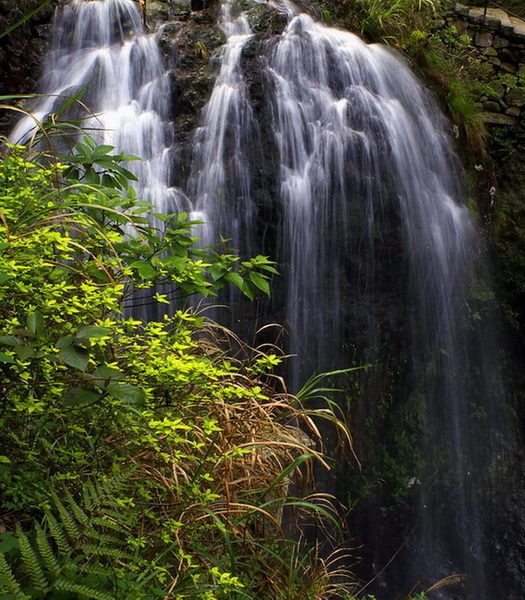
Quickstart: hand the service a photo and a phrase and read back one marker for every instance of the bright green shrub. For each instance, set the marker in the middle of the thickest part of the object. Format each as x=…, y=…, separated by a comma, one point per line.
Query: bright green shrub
x=138, y=460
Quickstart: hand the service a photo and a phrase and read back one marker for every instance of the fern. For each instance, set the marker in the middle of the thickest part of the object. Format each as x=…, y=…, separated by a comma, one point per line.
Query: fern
x=31, y=562
x=97, y=570
x=46, y=551
x=105, y=538
x=63, y=585
x=114, y=553
x=68, y=520
x=76, y=548
x=80, y=515
x=108, y=524
x=89, y=494
x=8, y=581
x=57, y=532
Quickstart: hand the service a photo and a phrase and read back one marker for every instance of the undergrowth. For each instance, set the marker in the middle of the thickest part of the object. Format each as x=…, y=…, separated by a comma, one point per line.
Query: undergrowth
x=140, y=460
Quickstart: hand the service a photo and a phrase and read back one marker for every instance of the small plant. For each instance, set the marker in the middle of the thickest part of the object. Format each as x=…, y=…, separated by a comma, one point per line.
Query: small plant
x=201, y=52
x=390, y=20
x=327, y=16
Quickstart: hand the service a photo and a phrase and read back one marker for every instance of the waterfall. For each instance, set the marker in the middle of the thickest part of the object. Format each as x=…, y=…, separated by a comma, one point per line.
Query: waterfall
x=374, y=221
x=378, y=253
x=220, y=183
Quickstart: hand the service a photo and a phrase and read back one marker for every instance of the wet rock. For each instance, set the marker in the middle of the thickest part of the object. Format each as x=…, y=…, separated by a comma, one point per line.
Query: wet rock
x=496, y=118
x=500, y=42
x=491, y=106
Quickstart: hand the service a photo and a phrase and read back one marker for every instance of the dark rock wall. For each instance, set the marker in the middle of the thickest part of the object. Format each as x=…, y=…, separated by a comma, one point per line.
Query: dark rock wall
x=21, y=51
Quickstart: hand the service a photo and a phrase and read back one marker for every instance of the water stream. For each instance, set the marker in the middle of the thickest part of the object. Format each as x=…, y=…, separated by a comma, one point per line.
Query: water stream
x=381, y=252
x=102, y=54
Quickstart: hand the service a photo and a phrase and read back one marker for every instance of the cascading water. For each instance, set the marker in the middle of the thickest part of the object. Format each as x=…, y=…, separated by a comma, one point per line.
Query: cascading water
x=378, y=253
x=101, y=53
x=221, y=183
x=373, y=221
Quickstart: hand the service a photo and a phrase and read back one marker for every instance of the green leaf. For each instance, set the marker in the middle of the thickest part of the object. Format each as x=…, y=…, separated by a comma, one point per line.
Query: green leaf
x=145, y=270
x=260, y=281
x=5, y=358
x=236, y=279
x=10, y=340
x=126, y=392
x=35, y=322
x=7, y=542
x=64, y=342
x=102, y=150
x=103, y=376
x=24, y=352
x=79, y=396
x=91, y=176
x=75, y=356
x=92, y=331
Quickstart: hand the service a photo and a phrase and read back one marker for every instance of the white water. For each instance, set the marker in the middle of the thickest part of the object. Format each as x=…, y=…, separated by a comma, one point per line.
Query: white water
x=100, y=50
x=373, y=216
x=220, y=182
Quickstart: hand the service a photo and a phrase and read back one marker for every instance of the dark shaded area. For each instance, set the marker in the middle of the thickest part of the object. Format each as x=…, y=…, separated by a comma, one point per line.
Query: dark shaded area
x=21, y=50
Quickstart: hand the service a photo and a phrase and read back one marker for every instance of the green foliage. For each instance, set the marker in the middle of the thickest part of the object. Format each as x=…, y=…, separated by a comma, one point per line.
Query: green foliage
x=138, y=459
x=75, y=549
x=448, y=61
x=420, y=596
x=390, y=20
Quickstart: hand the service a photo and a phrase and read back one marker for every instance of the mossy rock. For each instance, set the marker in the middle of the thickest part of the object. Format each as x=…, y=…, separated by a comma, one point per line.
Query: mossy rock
x=265, y=19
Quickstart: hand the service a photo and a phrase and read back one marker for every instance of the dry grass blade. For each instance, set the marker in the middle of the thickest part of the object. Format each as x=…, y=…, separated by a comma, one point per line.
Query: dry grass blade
x=450, y=580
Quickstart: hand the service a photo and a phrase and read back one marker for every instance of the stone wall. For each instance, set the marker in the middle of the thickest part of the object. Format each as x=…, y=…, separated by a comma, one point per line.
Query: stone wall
x=500, y=40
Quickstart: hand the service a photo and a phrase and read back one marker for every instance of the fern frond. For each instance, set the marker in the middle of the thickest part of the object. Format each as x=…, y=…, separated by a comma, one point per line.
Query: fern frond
x=76, y=588
x=46, y=551
x=8, y=581
x=114, y=553
x=115, y=484
x=97, y=570
x=57, y=533
x=68, y=520
x=80, y=515
x=106, y=538
x=108, y=523
x=89, y=494
x=31, y=562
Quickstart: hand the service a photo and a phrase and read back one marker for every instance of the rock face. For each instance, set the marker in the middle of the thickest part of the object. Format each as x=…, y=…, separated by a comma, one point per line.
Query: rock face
x=21, y=50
